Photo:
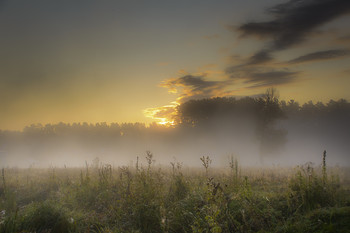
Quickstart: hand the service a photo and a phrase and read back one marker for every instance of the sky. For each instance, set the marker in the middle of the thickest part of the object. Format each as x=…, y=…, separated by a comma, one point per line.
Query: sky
x=134, y=61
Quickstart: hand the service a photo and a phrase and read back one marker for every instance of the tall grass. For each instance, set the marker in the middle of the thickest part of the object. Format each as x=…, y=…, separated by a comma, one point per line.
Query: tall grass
x=101, y=198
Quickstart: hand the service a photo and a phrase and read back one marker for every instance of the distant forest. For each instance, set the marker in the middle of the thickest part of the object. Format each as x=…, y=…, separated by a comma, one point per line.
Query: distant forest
x=223, y=119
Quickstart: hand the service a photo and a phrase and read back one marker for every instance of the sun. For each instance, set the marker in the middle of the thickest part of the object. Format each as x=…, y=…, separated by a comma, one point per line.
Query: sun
x=165, y=122
x=162, y=115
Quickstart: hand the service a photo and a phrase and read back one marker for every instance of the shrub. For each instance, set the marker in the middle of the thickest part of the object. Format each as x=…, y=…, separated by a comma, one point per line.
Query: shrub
x=46, y=217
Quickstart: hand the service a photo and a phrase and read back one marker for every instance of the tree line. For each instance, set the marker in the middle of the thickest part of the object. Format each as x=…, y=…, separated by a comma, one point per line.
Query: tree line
x=220, y=118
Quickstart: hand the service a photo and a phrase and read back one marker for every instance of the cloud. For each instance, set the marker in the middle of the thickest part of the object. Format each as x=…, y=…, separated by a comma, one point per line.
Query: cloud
x=320, y=55
x=249, y=64
x=196, y=87
x=294, y=20
x=272, y=78
x=260, y=57
x=256, y=77
x=291, y=24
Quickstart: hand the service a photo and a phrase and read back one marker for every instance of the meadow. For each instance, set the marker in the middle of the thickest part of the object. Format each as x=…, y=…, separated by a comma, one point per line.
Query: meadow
x=147, y=197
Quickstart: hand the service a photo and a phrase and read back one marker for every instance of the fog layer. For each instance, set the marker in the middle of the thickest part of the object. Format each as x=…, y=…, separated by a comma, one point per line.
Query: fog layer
x=257, y=131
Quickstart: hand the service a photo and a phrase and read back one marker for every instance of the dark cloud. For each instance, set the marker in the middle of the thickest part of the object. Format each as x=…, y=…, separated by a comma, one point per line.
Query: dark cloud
x=272, y=78
x=294, y=20
x=290, y=25
x=260, y=57
x=196, y=82
x=255, y=77
x=196, y=87
x=321, y=55
x=261, y=76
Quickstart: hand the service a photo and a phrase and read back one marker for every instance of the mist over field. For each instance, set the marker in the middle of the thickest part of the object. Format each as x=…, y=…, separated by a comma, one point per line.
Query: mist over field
x=260, y=131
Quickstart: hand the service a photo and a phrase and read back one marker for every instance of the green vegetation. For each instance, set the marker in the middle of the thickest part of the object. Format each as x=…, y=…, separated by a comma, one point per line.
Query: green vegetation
x=102, y=198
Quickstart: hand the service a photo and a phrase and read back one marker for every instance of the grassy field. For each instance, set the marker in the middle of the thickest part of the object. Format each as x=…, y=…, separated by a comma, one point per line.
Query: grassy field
x=150, y=198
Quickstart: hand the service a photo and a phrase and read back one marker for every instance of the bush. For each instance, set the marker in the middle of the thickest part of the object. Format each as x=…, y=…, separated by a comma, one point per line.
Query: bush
x=46, y=217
